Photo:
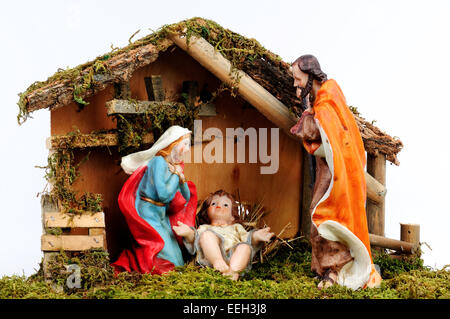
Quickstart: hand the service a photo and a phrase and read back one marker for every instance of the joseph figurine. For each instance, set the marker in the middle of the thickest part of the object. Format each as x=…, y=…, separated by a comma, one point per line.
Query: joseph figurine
x=339, y=234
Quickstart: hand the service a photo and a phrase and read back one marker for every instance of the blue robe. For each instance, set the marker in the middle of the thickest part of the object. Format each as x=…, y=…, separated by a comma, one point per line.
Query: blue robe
x=159, y=184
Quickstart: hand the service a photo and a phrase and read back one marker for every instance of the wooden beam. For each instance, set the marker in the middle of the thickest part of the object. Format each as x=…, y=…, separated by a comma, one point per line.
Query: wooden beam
x=70, y=242
x=375, y=190
x=88, y=140
x=86, y=220
x=137, y=107
x=398, y=245
x=376, y=167
x=81, y=140
x=120, y=69
x=251, y=91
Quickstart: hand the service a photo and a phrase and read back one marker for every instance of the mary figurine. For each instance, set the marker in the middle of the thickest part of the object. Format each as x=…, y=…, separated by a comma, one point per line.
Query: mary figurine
x=153, y=199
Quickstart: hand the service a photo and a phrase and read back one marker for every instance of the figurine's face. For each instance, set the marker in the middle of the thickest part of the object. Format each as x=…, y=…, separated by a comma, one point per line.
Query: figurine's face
x=300, y=80
x=219, y=211
x=180, y=149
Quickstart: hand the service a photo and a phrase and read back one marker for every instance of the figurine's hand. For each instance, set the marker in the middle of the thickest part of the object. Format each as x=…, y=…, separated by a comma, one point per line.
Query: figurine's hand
x=185, y=231
x=309, y=110
x=177, y=170
x=182, y=229
x=172, y=168
x=180, y=173
x=182, y=178
x=263, y=234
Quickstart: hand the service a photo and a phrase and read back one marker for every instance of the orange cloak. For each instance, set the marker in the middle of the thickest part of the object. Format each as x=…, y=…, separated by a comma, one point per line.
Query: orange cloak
x=340, y=214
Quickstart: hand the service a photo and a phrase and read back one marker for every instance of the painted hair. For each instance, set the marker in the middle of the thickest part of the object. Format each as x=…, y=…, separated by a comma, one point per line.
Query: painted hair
x=202, y=216
x=310, y=65
x=166, y=151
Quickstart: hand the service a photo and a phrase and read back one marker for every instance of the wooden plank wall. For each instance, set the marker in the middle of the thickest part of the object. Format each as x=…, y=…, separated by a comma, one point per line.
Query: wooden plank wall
x=280, y=192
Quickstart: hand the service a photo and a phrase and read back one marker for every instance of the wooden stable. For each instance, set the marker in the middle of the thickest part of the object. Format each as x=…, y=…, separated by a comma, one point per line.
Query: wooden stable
x=175, y=67
x=154, y=77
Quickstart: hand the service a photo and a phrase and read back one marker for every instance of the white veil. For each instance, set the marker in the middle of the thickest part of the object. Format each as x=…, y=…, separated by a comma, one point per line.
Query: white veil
x=133, y=161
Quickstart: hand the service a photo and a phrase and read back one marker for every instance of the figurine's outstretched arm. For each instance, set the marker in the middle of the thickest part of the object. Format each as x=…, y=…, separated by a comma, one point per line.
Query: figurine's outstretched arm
x=184, y=231
x=261, y=235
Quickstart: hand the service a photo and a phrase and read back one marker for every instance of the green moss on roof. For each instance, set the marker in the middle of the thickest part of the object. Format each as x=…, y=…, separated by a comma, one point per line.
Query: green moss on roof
x=233, y=46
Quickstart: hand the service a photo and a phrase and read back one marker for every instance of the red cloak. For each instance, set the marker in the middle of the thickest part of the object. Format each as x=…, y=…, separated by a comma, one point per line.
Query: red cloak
x=147, y=243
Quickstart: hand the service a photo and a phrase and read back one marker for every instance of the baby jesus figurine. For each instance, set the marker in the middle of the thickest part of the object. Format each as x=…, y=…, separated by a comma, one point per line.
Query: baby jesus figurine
x=221, y=241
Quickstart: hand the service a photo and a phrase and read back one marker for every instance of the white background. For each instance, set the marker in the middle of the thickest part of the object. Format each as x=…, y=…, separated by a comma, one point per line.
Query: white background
x=391, y=59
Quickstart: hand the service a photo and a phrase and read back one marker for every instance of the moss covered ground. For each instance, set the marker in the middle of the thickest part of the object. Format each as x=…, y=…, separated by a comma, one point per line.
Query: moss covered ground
x=285, y=276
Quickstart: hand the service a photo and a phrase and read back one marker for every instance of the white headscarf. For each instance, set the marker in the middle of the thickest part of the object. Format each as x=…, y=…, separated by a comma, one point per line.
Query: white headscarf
x=133, y=161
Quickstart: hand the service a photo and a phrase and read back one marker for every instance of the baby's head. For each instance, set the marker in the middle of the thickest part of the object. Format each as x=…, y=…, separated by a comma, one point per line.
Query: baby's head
x=220, y=208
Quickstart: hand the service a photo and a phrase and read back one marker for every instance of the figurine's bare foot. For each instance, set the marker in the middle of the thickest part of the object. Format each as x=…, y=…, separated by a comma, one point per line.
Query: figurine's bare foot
x=328, y=280
x=221, y=266
x=233, y=275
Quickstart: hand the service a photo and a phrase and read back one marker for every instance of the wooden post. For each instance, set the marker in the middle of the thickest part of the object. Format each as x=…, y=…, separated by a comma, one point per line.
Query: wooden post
x=376, y=167
x=48, y=204
x=307, y=190
x=410, y=233
x=158, y=90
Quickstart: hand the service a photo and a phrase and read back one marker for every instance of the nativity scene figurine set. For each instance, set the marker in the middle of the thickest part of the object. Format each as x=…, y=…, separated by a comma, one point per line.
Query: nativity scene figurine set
x=160, y=205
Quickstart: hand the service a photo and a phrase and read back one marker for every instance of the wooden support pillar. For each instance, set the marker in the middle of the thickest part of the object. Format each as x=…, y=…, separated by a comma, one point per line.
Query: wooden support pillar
x=376, y=167
x=410, y=233
x=307, y=190
x=375, y=193
x=48, y=204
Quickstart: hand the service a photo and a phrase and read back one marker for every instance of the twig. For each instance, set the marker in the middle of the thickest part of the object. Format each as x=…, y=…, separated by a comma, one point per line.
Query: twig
x=132, y=36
